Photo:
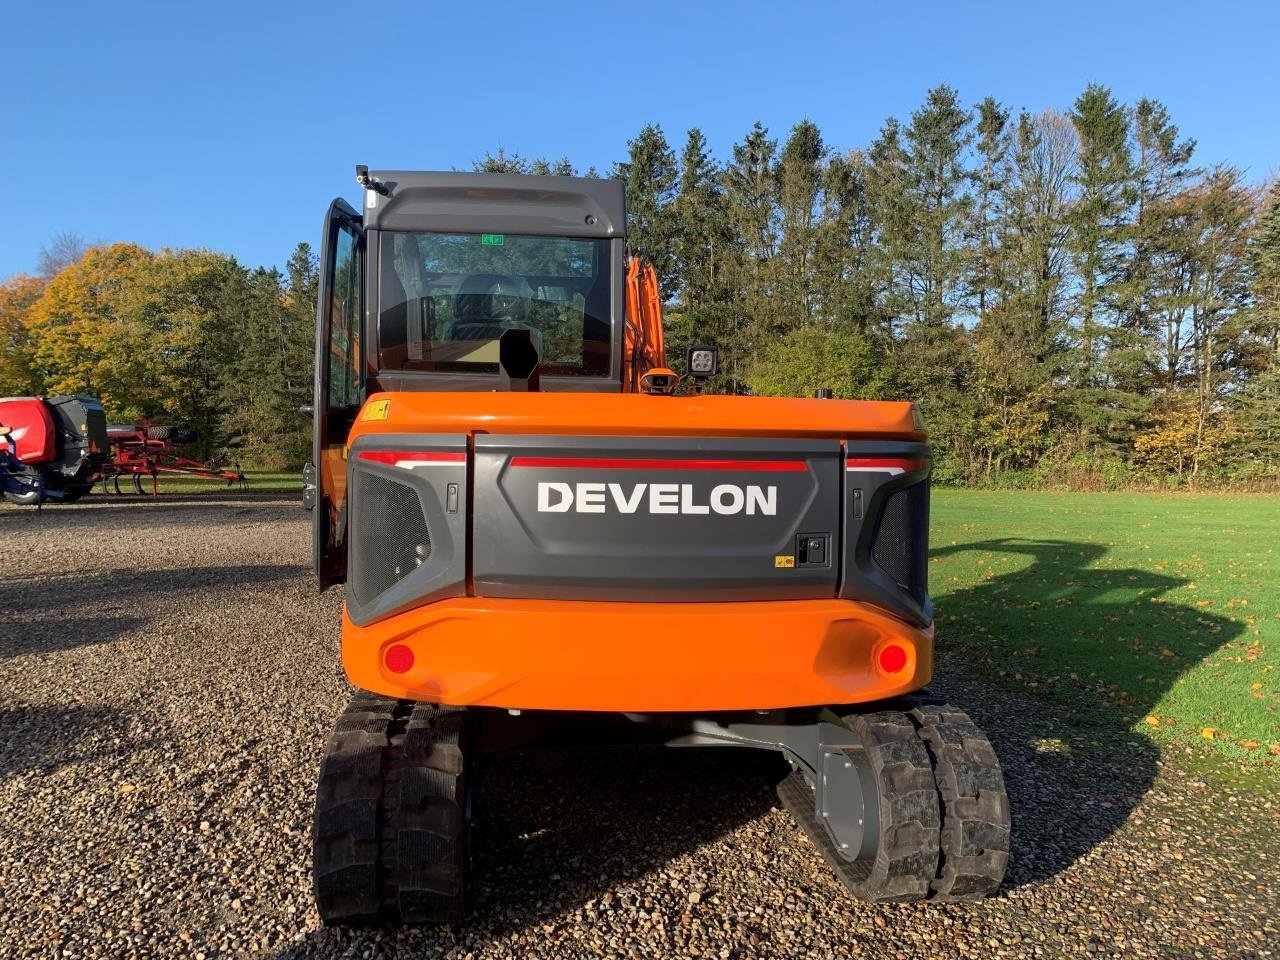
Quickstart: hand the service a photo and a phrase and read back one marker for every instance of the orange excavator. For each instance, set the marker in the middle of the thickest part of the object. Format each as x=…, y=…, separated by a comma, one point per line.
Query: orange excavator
x=544, y=531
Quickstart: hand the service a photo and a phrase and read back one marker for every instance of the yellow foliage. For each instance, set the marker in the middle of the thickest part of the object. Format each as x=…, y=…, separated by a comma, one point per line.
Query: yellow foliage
x=17, y=375
x=131, y=327
x=1185, y=434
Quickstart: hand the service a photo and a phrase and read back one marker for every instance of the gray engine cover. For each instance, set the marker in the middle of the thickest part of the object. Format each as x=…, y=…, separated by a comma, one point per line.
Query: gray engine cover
x=654, y=518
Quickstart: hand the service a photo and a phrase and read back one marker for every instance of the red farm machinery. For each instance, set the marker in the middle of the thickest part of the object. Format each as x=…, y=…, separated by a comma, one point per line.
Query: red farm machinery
x=57, y=448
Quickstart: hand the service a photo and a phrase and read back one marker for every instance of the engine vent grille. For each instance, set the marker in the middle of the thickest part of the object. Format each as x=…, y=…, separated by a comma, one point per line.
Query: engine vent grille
x=900, y=546
x=389, y=538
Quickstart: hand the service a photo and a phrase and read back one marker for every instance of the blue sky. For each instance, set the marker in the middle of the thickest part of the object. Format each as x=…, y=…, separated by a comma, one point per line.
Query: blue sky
x=230, y=125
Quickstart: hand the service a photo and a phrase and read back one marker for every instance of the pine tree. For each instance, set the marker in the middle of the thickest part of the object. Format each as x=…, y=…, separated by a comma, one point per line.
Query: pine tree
x=843, y=277
x=936, y=141
x=750, y=186
x=1103, y=177
x=501, y=162
x=1161, y=171
x=702, y=242
x=650, y=175
x=894, y=261
x=799, y=177
x=987, y=280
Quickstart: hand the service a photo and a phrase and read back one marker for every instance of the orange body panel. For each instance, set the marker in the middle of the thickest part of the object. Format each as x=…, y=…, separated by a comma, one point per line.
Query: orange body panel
x=638, y=415
x=638, y=657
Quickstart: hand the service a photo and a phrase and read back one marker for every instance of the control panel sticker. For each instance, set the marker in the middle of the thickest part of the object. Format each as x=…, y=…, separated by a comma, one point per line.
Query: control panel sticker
x=784, y=560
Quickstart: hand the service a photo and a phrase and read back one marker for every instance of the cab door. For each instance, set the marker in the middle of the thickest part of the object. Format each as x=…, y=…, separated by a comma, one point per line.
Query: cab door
x=339, y=384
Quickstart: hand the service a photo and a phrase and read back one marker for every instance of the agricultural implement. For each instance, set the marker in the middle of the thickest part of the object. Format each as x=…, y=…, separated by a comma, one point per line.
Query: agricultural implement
x=53, y=450
x=142, y=451
x=545, y=535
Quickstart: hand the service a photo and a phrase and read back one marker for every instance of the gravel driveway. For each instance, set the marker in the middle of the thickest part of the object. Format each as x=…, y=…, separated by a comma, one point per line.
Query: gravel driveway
x=167, y=679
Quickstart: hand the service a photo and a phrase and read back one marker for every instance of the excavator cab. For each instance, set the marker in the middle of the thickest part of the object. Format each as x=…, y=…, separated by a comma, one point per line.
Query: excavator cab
x=539, y=531
x=417, y=290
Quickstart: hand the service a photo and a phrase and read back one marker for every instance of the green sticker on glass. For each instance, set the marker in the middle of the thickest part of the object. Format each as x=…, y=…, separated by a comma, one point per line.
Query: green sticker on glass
x=492, y=239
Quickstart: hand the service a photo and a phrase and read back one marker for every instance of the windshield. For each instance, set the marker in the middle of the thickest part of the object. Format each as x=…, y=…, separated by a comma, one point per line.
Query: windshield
x=446, y=299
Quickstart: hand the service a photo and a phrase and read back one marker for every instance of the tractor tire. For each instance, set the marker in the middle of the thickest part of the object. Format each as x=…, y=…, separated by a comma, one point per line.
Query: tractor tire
x=391, y=824
x=975, y=834
x=159, y=433
x=907, y=852
x=182, y=435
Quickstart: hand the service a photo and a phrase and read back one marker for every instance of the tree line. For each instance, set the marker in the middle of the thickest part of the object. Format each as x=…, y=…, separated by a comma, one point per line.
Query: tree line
x=1070, y=297
x=186, y=337
x=1062, y=293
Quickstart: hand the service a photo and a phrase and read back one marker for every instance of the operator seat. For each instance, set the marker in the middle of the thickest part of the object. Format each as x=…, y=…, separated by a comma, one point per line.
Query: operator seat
x=487, y=304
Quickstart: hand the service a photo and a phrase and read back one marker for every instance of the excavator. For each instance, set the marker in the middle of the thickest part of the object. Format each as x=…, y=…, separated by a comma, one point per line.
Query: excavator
x=548, y=534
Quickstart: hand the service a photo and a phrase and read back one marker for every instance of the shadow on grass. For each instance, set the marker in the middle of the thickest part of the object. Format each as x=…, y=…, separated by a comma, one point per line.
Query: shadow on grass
x=1097, y=648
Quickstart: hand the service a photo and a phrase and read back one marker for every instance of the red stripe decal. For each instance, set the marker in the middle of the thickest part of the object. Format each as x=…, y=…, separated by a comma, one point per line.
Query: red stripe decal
x=895, y=463
x=630, y=463
x=396, y=456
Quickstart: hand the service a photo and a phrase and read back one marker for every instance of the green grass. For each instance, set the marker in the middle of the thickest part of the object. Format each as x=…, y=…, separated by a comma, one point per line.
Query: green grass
x=260, y=481
x=1160, y=610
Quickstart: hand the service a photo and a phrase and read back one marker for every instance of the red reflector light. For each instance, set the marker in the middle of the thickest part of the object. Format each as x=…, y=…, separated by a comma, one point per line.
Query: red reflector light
x=410, y=458
x=399, y=659
x=893, y=658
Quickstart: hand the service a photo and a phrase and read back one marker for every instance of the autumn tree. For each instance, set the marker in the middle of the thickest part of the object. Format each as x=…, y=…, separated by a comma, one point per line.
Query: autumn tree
x=18, y=374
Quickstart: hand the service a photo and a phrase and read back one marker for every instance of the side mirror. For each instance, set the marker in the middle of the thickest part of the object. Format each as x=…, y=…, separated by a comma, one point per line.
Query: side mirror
x=702, y=361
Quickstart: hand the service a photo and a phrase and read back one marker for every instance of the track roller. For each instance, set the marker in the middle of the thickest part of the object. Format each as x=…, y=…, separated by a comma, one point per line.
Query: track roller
x=921, y=812
x=391, y=823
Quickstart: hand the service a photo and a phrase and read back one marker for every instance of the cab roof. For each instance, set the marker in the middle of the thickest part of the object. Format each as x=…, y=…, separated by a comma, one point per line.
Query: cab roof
x=451, y=202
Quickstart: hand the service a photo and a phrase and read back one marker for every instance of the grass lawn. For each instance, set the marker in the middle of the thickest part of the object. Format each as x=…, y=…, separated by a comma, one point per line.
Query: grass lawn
x=260, y=481
x=1161, y=610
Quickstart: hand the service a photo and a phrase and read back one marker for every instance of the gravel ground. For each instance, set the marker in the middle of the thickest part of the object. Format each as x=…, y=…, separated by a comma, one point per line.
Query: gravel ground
x=167, y=679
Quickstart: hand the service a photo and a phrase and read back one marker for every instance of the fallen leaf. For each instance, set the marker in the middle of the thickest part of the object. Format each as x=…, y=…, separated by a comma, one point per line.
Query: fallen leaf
x=1249, y=744
x=1152, y=721
x=1209, y=732
x=1165, y=651
x=1274, y=749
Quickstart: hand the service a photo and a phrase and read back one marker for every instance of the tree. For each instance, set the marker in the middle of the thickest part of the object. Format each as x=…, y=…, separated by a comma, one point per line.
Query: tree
x=988, y=283
x=1102, y=176
x=501, y=162
x=1161, y=171
x=1034, y=245
x=702, y=244
x=799, y=177
x=808, y=359
x=844, y=286
x=18, y=376
x=139, y=330
x=750, y=187
x=937, y=179
x=64, y=249
x=650, y=175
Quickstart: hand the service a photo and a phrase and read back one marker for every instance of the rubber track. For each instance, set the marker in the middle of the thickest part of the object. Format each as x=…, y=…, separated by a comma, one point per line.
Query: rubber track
x=975, y=808
x=389, y=834
x=907, y=857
